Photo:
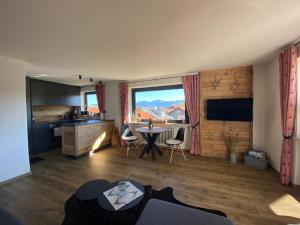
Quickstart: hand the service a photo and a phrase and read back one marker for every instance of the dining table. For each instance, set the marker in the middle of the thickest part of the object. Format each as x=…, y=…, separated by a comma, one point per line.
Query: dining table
x=150, y=135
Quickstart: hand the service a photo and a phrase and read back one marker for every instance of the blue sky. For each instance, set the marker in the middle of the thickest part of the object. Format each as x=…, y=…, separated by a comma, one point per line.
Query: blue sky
x=165, y=95
x=92, y=99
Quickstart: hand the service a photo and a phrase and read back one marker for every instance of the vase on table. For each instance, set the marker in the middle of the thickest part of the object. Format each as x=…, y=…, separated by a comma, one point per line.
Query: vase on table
x=150, y=124
x=233, y=158
x=231, y=141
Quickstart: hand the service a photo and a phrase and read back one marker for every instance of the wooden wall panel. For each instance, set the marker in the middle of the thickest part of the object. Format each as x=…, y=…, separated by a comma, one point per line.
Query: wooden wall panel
x=211, y=135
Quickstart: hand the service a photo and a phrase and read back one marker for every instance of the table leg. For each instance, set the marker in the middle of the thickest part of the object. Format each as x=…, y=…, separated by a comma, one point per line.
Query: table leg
x=150, y=137
x=150, y=146
x=157, y=149
x=146, y=147
x=154, y=147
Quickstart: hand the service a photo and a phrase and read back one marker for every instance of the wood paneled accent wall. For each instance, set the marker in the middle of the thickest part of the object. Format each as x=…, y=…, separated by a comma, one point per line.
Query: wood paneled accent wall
x=50, y=113
x=211, y=135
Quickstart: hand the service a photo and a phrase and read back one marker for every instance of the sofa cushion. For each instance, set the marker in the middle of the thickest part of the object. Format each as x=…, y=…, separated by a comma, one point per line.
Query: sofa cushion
x=6, y=218
x=158, y=212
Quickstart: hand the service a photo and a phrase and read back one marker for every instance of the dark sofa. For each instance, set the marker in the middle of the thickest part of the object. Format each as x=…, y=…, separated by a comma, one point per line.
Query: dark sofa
x=156, y=212
x=6, y=218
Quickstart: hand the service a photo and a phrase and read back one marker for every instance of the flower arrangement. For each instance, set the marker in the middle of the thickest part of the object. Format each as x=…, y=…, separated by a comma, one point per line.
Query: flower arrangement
x=231, y=142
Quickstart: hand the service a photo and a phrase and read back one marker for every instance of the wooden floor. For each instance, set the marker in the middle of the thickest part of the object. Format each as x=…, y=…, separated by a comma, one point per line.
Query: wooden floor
x=248, y=196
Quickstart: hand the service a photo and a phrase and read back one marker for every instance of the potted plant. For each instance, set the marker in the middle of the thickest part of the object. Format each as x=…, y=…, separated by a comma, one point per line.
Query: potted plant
x=231, y=142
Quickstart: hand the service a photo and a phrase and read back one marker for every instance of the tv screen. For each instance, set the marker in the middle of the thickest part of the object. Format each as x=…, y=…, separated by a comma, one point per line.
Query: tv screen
x=236, y=109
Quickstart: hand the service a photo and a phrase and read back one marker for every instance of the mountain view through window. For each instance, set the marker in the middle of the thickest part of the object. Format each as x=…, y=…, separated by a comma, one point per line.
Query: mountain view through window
x=164, y=104
x=91, y=102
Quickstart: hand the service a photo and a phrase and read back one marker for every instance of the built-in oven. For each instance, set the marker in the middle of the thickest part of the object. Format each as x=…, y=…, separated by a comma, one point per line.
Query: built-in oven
x=55, y=130
x=55, y=135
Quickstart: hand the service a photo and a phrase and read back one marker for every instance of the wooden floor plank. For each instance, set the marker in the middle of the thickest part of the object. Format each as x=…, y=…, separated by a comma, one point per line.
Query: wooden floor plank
x=243, y=193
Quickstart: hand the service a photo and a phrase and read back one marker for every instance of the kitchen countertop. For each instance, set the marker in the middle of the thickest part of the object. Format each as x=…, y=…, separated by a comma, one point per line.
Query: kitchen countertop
x=85, y=122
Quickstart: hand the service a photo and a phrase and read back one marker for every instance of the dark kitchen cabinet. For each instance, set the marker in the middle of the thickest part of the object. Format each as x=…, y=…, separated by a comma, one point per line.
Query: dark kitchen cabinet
x=44, y=93
x=55, y=94
x=41, y=137
x=50, y=93
x=38, y=92
x=72, y=95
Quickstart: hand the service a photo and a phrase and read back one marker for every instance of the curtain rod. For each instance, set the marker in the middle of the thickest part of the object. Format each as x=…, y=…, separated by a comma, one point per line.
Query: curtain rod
x=297, y=43
x=162, y=78
x=154, y=79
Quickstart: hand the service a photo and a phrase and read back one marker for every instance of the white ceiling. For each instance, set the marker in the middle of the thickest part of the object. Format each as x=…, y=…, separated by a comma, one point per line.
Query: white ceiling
x=136, y=39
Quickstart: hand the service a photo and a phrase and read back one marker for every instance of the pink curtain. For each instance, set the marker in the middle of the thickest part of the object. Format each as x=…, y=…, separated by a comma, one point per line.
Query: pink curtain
x=124, y=102
x=191, y=86
x=288, y=95
x=100, y=92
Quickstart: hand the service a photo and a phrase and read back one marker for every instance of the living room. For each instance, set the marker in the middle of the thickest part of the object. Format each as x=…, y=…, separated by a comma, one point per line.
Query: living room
x=150, y=112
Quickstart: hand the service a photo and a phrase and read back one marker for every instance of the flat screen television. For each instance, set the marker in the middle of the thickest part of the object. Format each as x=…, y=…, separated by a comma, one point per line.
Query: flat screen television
x=234, y=109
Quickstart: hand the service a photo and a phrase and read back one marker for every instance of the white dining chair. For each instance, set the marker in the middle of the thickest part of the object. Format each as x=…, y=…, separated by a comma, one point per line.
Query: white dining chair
x=175, y=143
x=129, y=138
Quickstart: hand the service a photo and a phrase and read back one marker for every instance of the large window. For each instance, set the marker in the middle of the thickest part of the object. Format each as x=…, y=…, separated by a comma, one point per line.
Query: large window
x=164, y=103
x=91, y=102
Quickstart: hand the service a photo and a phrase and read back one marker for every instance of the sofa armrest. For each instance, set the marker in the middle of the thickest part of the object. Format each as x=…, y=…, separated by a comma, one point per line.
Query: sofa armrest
x=6, y=218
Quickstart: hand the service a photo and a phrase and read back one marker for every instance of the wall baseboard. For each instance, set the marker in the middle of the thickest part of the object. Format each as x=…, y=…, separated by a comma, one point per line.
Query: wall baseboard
x=15, y=178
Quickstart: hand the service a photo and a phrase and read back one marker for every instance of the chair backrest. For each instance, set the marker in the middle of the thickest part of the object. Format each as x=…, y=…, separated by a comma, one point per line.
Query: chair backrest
x=180, y=134
x=127, y=132
x=123, y=128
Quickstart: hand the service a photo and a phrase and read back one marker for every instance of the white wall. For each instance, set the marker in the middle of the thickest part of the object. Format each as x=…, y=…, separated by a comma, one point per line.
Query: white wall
x=259, y=106
x=112, y=98
x=14, y=156
x=273, y=134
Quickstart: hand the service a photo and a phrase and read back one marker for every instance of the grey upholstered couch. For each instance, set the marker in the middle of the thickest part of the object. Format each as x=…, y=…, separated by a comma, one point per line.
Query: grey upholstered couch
x=159, y=212
x=6, y=218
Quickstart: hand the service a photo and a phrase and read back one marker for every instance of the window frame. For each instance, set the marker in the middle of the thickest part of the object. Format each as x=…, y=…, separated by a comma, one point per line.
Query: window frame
x=86, y=98
x=158, y=88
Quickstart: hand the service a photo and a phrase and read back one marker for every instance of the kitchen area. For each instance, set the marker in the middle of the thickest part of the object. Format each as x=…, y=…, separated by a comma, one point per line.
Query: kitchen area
x=55, y=120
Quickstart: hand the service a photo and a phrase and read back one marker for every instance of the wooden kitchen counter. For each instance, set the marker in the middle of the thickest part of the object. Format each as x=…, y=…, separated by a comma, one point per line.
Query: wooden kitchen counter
x=82, y=137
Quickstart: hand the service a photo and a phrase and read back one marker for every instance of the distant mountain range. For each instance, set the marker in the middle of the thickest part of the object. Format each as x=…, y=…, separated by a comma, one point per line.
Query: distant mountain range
x=158, y=103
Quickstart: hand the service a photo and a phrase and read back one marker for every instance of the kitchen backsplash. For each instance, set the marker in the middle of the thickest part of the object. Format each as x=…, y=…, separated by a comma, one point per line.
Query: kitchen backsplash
x=51, y=113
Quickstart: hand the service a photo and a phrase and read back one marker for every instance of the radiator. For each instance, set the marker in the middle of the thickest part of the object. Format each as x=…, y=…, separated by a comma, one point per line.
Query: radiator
x=164, y=136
